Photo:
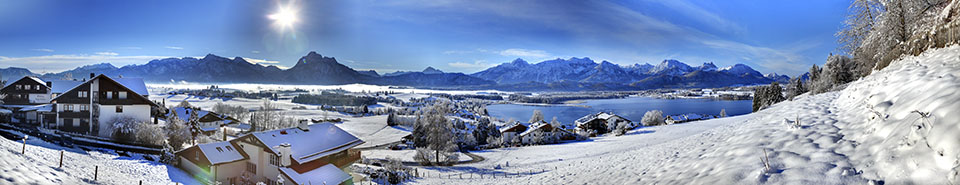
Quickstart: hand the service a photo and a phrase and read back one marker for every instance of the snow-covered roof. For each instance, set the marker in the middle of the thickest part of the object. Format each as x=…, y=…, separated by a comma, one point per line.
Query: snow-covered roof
x=693, y=116
x=61, y=86
x=241, y=126
x=39, y=108
x=534, y=127
x=183, y=113
x=220, y=152
x=511, y=126
x=326, y=174
x=321, y=140
x=38, y=80
x=134, y=84
x=5, y=111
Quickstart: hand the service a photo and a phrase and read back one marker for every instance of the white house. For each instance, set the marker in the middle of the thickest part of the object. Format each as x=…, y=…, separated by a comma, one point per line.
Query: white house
x=91, y=106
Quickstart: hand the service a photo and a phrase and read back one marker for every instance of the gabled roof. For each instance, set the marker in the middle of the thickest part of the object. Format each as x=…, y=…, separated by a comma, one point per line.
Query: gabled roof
x=134, y=84
x=537, y=126
x=514, y=126
x=105, y=77
x=221, y=152
x=321, y=140
x=326, y=174
x=32, y=78
x=61, y=86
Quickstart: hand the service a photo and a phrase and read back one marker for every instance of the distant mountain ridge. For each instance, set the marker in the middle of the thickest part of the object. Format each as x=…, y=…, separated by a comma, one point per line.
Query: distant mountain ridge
x=571, y=74
x=584, y=71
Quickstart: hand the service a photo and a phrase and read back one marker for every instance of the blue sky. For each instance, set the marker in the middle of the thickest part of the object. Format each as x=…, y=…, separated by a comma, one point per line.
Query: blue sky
x=452, y=35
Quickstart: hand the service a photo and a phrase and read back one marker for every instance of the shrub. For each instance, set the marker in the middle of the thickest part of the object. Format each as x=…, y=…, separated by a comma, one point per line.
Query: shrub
x=653, y=117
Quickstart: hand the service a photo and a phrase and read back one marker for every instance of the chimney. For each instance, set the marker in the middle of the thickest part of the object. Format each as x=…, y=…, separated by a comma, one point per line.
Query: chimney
x=303, y=125
x=284, y=152
x=91, y=75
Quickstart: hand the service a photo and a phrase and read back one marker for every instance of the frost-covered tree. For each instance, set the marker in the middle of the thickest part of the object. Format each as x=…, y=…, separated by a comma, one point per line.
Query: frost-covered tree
x=436, y=135
x=652, y=117
x=764, y=96
x=795, y=88
x=723, y=113
x=485, y=129
x=537, y=116
x=178, y=133
x=837, y=71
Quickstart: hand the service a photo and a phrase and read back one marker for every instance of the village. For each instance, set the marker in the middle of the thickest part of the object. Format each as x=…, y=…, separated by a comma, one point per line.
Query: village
x=328, y=136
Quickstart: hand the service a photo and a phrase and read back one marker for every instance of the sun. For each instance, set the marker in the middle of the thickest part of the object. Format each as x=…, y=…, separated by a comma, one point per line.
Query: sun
x=285, y=17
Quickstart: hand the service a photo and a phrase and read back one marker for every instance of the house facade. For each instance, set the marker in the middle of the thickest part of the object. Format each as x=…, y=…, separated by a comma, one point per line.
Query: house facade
x=600, y=123
x=509, y=133
x=27, y=98
x=307, y=154
x=29, y=90
x=89, y=107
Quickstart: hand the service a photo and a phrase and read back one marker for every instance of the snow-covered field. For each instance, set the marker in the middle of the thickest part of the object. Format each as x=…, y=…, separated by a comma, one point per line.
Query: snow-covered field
x=866, y=134
x=39, y=166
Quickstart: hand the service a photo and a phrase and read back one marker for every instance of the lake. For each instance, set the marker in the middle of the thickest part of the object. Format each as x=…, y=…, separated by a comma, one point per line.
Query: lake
x=631, y=108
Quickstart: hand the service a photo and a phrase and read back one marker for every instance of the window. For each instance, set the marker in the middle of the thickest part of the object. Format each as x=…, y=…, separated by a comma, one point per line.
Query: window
x=196, y=155
x=18, y=87
x=119, y=108
x=109, y=95
x=274, y=160
x=84, y=107
x=229, y=148
x=219, y=149
x=26, y=87
x=252, y=168
x=68, y=107
x=123, y=95
x=37, y=87
x=82, y=94
x=76, y=122
x=84, y=120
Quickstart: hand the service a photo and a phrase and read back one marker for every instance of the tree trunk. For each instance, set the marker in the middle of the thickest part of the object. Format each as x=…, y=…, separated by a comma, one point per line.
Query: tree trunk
x=438, y=156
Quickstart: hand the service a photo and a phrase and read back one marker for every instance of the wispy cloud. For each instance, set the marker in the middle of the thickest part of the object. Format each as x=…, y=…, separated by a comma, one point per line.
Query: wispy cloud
x=107, y=53
x=43, y=50
x=173, y=47
x=525, y=53
x=131, y=48
x=57, y=63
x=479, y=64
x=265, y=62
x=701, y=15
x=255, y=52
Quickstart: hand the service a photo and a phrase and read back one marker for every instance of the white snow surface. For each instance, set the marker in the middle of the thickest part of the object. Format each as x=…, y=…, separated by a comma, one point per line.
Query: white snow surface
x=868, y=133
x=39, y=166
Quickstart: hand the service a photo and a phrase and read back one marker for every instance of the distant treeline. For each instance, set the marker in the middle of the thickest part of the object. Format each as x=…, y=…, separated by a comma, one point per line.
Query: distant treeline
x=560, y=98
x=334, y=99
x=468, y=96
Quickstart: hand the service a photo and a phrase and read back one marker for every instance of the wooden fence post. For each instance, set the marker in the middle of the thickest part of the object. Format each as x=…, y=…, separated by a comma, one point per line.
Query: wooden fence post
x=96, y=169
x=61, y=159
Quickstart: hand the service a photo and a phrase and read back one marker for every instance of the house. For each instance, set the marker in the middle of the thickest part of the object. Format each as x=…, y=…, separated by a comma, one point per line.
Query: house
x=673, y=119
x=29, y=90
x=22, y=98
x=208, y=122
x=90, y=106
x=538, y=133
x=507, y=134
x=307, y=154
x=600, y=123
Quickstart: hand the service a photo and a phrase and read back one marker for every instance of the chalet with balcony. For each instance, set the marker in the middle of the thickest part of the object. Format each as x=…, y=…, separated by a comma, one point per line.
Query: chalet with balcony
x=89, y=106
x=307, y=154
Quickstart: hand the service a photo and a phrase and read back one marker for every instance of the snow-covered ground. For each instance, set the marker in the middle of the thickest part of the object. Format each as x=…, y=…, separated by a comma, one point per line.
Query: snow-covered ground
x=39, y=166
x=870, y=133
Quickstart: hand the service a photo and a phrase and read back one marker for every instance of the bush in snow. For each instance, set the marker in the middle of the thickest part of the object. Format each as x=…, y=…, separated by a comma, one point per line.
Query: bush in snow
x=723, y=113
x=621, y=128
x=130, y=129
x=652, y=117
x=764, y=96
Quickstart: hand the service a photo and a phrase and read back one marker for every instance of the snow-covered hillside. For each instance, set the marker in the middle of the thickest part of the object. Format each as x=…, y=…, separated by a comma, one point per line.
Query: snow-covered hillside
x=896, y=126
x=39, y=166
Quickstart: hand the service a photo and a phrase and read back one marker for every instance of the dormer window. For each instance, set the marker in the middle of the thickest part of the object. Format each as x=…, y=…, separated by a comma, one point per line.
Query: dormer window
x=219, y=149
x=123, y=95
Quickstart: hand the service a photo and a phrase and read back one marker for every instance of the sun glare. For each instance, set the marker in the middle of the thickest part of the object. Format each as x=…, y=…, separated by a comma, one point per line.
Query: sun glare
x=285, y=17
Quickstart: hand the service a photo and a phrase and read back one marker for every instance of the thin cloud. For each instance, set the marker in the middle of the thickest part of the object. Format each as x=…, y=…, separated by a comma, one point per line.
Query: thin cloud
x=43, y=50
x=57, y=63
x=524, y=53
x=107, y=53
x=465, y=65
x=173, y=47
x=255, y=52
x=131, y=48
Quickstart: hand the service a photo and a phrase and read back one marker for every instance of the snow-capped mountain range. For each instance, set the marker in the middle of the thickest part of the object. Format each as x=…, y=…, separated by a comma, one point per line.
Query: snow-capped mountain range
x=313, y=68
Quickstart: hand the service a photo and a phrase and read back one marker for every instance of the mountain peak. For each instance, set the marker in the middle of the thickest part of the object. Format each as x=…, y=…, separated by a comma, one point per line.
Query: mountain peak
x=431, y=70
x=671, y=67
x=707, y=66
x=211, y=56
x=741, y=69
